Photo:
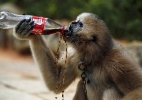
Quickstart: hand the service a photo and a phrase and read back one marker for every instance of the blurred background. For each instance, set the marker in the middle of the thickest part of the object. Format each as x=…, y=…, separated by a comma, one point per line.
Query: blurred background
x=19, y=76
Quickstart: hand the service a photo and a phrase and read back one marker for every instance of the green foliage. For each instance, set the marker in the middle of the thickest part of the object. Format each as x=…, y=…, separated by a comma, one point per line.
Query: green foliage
x=123, y=17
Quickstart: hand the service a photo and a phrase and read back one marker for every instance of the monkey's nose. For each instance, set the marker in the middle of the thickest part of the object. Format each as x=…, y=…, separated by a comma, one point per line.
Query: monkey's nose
x=74, y=28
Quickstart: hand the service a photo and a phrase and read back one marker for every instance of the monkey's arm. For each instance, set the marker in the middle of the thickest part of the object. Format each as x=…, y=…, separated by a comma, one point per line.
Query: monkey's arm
x=127, y=76
x=46, y=61
x=44, y=57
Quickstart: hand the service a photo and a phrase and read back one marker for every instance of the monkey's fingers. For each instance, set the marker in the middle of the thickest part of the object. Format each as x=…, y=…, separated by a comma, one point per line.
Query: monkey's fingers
x=28, y=29
x=24, y=27
x=19, y=26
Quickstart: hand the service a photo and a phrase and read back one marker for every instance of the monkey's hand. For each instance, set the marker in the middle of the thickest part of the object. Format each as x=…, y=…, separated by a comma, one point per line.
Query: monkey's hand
x=23, y=29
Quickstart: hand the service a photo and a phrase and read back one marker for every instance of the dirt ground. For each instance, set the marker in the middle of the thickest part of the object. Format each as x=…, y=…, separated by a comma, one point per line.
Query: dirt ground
x=20, y=79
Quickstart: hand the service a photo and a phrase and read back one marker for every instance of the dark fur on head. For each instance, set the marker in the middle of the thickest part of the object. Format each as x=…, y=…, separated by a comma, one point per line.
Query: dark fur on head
x=93, y=39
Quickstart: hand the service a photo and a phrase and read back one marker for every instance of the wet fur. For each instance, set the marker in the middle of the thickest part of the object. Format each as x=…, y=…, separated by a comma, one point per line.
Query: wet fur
x=111, y=74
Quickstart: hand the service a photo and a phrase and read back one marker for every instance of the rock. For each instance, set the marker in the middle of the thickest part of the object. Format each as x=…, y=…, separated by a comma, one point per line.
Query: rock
x=11, y=94
x=19, y=80
x=6, y=35
x=9, y=7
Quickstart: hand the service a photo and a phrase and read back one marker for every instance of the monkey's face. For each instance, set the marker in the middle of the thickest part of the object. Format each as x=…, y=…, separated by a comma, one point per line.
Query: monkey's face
x=89, y=33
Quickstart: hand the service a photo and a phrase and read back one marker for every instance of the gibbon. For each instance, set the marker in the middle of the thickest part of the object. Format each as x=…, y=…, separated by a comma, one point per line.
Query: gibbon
x=110, y=73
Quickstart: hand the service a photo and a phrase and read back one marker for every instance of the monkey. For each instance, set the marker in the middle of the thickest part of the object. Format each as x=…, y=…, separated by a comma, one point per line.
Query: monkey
x=111, y=74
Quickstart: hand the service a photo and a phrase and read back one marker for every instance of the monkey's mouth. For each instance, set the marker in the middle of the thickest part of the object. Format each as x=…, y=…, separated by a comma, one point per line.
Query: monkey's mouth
x=74, y=28
x=72, y=35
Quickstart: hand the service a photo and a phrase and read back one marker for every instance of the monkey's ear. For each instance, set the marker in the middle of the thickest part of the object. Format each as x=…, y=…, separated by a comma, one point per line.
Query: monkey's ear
x=94, y=38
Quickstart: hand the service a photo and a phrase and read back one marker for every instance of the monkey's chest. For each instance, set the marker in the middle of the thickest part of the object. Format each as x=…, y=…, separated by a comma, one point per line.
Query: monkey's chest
x=97, y=79
x=98, y=82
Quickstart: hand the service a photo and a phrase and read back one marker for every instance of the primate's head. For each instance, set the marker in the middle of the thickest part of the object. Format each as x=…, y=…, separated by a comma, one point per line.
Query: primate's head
x=89, y=33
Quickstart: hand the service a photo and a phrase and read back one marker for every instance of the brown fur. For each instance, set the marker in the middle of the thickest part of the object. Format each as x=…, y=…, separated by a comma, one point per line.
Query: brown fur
x=112, y=74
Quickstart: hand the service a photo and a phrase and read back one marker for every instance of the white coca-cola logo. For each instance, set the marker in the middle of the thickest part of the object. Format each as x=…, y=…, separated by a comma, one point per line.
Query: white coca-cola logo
x=38, y=21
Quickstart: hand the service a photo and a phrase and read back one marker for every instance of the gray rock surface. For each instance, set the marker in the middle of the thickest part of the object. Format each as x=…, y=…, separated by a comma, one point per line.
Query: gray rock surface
x=6, y=35
x=20, y=80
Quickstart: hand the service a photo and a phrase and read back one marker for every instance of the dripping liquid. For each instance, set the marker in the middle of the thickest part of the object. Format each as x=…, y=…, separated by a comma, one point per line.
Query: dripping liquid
x=56, y=62
x=63, y=69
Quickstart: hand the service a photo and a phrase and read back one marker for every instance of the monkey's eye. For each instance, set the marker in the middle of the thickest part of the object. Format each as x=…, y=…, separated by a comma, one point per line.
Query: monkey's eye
x=94, y=38
x=81, y=24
